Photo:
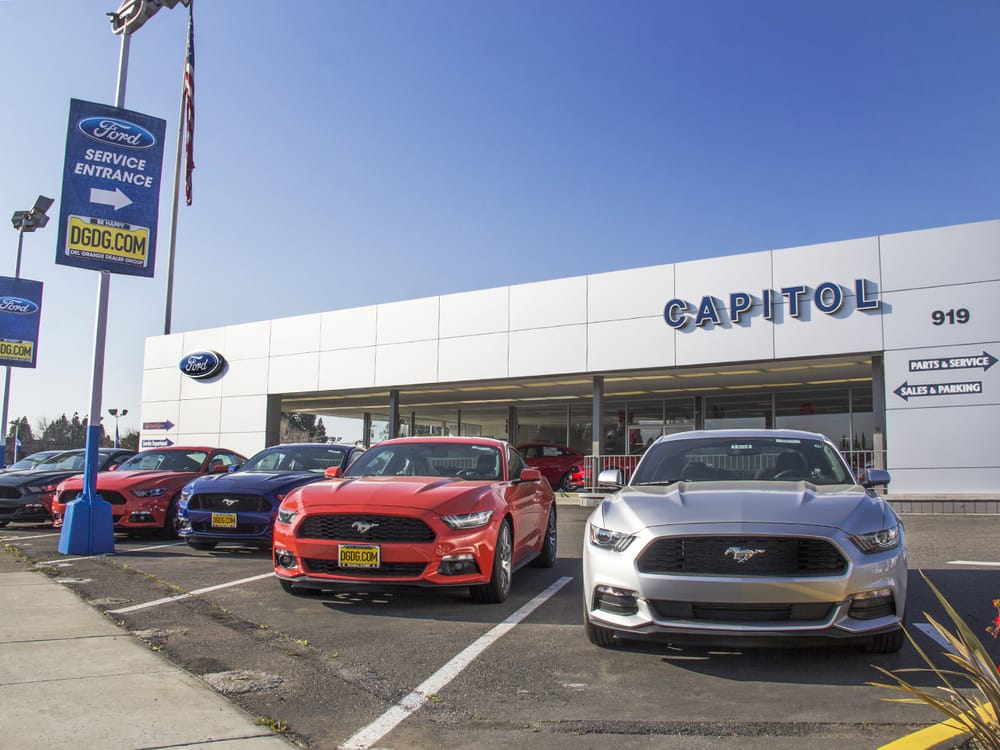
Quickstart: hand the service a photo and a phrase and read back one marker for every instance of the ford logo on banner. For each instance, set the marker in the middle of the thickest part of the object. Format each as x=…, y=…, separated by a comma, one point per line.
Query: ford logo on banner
x=18, y=306
x=117, y=132
x=202, y=365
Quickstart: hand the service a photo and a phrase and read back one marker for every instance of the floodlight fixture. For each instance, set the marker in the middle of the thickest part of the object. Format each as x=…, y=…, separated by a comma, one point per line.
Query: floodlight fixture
x=132, y=14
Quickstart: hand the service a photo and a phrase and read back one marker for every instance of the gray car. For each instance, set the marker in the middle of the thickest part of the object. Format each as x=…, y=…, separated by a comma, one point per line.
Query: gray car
x=745, y=537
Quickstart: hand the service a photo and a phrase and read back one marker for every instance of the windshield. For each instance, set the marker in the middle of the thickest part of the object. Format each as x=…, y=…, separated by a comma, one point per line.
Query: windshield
x=315, y=458
x=437, y=459
x=742, y=458
x=65, y=461
x=33, y=461
x=154, y=460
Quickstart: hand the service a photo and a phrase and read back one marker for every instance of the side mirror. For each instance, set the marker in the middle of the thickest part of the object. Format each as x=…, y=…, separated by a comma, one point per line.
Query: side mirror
x=218, y=469
x=613, y=477
x=875, y=477
x=332, y=473
x=530, y=475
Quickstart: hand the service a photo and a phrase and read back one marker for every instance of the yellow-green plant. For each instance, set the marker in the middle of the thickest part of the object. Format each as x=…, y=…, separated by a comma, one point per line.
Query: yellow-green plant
x=976, y=708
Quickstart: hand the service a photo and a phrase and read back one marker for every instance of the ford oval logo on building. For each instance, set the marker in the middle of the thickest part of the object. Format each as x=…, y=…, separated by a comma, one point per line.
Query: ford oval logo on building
x=202, y=365
x=18, y=306
x=117, y=132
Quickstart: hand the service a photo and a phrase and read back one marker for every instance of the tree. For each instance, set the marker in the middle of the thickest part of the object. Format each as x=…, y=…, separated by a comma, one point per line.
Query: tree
x=64, y=433
x=302, y=428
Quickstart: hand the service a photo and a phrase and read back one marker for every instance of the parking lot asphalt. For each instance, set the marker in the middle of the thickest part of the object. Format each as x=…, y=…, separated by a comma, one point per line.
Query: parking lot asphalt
x=71, y=678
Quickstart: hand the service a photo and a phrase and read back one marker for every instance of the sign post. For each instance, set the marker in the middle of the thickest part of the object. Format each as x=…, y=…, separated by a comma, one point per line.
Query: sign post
x=107, y=223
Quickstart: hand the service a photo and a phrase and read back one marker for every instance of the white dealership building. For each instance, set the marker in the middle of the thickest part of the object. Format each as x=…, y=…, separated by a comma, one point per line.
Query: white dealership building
x=886, y=344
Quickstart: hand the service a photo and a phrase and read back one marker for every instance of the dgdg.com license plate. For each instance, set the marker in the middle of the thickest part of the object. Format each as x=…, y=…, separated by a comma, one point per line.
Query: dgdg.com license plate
x=358, y=556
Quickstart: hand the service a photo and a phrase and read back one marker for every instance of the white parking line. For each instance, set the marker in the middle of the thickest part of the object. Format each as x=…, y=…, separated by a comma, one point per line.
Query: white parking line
x=109, y=554
x=975, y=562
x=365, y=738
x=169, y=599
x=19, y=538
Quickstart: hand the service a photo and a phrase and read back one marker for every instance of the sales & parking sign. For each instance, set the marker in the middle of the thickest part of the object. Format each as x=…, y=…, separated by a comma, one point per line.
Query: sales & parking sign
x=111, y=189
x=20, y=314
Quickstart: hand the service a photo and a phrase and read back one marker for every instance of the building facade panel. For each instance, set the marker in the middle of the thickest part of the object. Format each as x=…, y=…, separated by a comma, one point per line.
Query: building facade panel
x=199, y=417
x=403, y=322
x=475, y=313
x=473, y=357
x=942, y=315
x=293, y=373
x=247, y=341
x=746, y=340
x=240, y=414
x=297, y=335
x=245, y=377
x=399, y=364
x=163, y=351
x=348, y=329
x=347, y=368
x=544, y=351
x=941, y=256
x=629, y=345
x=635, y=293
x=161, y=384
x=545, y=304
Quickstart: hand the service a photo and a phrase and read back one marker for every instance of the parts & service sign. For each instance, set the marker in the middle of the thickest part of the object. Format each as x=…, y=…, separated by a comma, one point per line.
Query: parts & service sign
x=20, y=315
x=111, y=189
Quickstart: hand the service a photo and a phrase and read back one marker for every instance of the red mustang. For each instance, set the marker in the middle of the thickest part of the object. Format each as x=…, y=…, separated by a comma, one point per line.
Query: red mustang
x=429, y=512
x=143, y=490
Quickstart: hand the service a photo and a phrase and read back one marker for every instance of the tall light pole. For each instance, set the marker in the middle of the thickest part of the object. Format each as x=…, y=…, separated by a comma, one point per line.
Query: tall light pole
x=23, y=221
x=114, y=413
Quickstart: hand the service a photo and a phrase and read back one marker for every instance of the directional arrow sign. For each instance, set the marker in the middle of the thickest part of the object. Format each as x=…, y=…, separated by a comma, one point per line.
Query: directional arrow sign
x=166, y=424
x=114, y=198
x=984, y=360
x=111, y=189
x=907, y=391
x=156, y=442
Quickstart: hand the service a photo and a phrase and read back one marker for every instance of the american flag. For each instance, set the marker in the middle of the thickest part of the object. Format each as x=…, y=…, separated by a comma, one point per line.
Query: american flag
x=189, y=104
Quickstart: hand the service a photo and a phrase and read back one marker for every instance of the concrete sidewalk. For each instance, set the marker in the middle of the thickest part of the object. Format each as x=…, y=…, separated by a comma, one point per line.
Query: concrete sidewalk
x=69, y=678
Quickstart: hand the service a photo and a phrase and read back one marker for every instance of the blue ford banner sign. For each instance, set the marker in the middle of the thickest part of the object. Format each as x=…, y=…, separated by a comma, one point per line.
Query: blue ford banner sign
x=202, y=365
x=20, y=314
x=111, y=189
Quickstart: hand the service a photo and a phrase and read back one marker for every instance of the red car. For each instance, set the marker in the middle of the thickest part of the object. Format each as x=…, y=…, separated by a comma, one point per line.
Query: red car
x=143, y=490
x=558, y=463
x=412, y=512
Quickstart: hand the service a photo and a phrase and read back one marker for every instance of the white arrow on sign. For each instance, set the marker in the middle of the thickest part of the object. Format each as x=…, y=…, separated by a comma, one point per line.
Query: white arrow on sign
x=115, y=197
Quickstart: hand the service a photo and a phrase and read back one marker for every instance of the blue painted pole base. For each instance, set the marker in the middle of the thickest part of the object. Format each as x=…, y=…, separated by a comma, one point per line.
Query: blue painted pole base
x=88, y=528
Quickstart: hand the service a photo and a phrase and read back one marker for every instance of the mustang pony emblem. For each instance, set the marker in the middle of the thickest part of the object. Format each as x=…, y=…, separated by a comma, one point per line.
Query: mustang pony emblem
x=229, y=502
x=363, y=527
x=743, y=554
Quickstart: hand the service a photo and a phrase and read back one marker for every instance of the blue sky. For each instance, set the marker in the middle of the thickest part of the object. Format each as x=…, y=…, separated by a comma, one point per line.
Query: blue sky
x=352, y=153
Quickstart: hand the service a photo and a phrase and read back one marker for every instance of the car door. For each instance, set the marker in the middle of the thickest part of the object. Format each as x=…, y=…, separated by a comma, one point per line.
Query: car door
x=527, y=503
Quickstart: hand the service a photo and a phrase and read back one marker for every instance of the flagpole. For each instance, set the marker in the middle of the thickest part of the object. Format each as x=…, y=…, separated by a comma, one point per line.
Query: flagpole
x=173, y=216
x=177, y=190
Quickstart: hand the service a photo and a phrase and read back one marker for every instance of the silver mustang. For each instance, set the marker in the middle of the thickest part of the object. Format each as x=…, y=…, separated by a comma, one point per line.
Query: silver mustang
x=749, y=537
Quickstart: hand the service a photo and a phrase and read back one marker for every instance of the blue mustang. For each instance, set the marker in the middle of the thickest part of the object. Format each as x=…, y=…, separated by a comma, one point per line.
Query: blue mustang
x=240, y=507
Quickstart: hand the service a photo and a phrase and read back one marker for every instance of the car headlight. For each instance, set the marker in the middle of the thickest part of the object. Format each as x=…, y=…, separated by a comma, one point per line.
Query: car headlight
x=468, y=520
x=616, y=540
x=286, y=515
x=151, y=492
x=877, y=541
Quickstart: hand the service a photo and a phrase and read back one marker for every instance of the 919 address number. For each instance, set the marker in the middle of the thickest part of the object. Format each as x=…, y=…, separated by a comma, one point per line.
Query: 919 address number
x=952, y=317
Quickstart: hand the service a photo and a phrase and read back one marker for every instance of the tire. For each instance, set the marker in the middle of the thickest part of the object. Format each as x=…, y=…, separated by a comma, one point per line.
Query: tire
x=3, y=523
x=886, y=643
x=291, y=588
x=547, y=557
x=203, y=546
x=564, y=483
x=170, y=525
x=597, y=635
x=498, y=588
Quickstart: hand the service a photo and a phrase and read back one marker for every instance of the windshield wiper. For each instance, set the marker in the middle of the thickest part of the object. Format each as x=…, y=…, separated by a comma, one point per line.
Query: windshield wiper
x=662, y=483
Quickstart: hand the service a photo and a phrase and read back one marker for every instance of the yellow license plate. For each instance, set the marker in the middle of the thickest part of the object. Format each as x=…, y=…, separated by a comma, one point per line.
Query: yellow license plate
x=223, y=520
x=358, y=556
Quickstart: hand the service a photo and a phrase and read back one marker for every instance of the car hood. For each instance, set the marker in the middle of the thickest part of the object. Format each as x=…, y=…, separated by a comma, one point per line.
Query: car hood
x=438, y=494
x=253, y=481
x=118, y=480
x=846, y=507
x=22, y=478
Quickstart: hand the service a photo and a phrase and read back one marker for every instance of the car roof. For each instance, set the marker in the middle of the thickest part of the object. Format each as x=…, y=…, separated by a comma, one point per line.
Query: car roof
x=744, y=433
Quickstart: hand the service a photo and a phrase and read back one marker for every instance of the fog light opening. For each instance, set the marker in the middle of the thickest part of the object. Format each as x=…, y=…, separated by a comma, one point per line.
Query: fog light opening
x=616, y=601
x=184, y=524
x=141, y=517
x=870, y=605
x=458, y=565
x=284, y=559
